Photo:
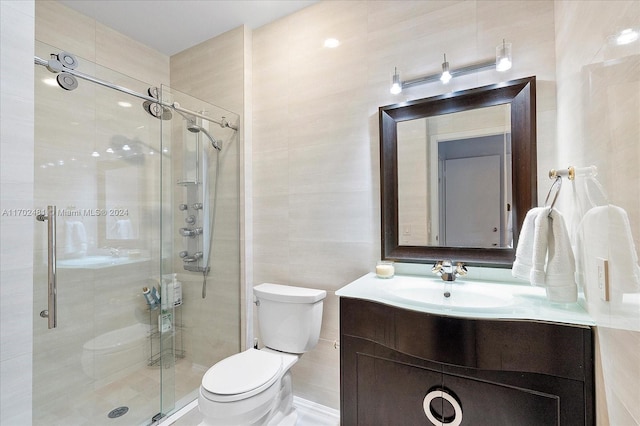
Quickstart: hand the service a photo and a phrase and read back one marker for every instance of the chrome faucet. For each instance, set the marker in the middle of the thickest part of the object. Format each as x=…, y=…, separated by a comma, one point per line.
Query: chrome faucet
x=446, y=270
x=113, y=251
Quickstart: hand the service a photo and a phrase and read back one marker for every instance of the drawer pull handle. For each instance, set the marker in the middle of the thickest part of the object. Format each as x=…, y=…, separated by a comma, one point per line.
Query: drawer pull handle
x=442, y=393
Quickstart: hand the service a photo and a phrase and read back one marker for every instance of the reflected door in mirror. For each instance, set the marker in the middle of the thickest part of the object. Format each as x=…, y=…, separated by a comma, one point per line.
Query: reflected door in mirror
x=454, y=179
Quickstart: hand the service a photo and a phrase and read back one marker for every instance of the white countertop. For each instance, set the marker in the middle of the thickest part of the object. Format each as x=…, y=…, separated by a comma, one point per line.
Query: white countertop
x=495, y=299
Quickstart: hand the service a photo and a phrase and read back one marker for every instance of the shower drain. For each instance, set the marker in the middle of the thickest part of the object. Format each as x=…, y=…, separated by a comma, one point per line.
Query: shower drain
x=117, y=412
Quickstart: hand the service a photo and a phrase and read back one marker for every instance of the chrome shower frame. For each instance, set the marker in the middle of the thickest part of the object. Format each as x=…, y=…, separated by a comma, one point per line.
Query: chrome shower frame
x=64, y=65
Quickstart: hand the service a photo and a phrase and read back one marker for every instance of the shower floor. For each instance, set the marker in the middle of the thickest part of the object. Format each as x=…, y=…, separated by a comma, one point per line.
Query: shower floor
x=139, y=391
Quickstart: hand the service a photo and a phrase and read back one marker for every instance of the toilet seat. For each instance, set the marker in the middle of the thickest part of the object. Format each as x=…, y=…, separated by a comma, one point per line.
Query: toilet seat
x=241, y=376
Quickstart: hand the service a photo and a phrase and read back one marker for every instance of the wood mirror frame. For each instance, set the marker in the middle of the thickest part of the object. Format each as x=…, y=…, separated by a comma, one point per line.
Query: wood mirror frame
x=521, y=95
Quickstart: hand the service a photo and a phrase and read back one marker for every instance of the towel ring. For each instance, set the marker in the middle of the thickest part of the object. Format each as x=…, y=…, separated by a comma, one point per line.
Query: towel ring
x=558, y=183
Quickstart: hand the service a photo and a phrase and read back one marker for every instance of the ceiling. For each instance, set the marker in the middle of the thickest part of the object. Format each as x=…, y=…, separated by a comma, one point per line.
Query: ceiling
x=171, y=26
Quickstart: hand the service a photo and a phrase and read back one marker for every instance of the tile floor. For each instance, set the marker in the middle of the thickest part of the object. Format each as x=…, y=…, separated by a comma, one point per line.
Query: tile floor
x=309, y=414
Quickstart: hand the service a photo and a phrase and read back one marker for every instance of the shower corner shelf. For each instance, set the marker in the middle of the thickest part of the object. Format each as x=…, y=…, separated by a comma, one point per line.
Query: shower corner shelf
x=187, y=182
x=155, y=338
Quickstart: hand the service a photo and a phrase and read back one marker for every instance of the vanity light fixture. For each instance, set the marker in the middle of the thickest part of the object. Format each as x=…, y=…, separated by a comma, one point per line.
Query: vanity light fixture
x=503, y=56
x=501, y=63
x=396, y=84
x=446, y=75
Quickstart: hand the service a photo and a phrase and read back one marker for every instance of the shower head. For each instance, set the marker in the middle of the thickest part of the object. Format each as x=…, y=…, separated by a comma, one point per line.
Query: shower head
x=194, y=128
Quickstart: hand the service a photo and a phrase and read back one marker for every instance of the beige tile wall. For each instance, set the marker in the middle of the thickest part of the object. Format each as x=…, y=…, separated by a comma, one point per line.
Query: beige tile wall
x=315, y=131
x=599, y=124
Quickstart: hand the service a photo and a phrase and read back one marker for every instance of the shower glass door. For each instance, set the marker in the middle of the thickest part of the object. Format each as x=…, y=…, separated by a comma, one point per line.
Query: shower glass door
x=101, y=160
x=205, y=183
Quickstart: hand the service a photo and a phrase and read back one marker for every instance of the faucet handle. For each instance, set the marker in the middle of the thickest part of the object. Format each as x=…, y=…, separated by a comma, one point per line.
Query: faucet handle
x=461, y=270
x=437, y=268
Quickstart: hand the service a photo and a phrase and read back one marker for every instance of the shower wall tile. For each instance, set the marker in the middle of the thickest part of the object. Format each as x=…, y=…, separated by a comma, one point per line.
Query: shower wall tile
x=213, y=70
x=66, y=29
x=16, y=229
x=137, y=60
x=315, y=129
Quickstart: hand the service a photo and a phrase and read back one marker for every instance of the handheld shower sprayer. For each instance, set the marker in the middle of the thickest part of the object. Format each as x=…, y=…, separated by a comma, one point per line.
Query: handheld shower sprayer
x=195, y=128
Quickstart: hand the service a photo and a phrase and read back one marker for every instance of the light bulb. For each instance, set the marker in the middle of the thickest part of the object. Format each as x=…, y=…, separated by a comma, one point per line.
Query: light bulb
x=446, y=75
x=504, y=64
x=503, y=57
x=396, y=85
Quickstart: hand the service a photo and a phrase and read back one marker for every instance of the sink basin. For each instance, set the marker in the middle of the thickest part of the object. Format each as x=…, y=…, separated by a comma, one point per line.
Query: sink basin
x=460, y=296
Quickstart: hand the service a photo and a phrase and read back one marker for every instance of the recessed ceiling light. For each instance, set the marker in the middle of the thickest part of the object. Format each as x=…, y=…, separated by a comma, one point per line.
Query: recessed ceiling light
x=126, y=147
x=95, y=154
x=50, y=81
x=110, y=150
x=331, y=43
x=124, y=104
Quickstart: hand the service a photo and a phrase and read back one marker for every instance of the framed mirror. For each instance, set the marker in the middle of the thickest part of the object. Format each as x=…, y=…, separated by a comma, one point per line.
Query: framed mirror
x=458, y=174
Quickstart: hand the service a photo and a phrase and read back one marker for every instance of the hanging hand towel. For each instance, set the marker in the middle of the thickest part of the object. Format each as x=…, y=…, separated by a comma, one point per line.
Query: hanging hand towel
x=524, y=250
x=553, y=261
x=75, y=243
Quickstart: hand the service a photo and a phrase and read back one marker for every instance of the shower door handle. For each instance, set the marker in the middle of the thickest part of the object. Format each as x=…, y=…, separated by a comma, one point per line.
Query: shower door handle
x=51, y=312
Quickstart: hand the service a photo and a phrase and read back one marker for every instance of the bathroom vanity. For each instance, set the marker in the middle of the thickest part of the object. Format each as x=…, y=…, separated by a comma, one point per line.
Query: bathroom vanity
x=408, y=359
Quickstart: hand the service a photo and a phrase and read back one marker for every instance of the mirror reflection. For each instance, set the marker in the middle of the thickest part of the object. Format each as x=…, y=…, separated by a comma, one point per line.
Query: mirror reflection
x=447, y=163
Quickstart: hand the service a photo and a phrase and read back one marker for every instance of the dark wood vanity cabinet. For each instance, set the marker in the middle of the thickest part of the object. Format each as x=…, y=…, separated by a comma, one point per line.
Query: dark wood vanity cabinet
x=498, y=372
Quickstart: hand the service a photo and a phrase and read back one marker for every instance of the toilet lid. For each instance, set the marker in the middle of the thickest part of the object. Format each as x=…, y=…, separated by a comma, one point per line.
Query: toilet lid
x=242, y=373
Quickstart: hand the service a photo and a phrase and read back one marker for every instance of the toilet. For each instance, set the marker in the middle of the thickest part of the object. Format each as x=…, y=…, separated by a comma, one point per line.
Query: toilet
x=254, y=387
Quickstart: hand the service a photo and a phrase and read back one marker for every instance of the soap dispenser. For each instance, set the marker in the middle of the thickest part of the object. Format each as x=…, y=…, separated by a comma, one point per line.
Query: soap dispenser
x=177, y=291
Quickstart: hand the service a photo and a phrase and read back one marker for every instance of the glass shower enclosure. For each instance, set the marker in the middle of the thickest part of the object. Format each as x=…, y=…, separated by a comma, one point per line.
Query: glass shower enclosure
x=132, y=334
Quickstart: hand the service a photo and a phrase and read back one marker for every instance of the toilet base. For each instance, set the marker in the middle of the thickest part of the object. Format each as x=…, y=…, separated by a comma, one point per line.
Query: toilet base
x=280, y=412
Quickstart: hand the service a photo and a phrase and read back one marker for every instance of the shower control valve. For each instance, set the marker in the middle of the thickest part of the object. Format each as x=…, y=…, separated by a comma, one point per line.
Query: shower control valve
x=186, y=232
x=191, y=219
x=183, y=254
x=197, y=206
x=183, y=207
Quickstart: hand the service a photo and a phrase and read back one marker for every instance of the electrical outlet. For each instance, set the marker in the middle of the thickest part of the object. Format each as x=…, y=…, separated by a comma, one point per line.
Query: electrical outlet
x=603, y=278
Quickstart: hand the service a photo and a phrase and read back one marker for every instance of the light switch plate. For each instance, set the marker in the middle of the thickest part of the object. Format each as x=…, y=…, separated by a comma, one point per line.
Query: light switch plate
x=603, y=278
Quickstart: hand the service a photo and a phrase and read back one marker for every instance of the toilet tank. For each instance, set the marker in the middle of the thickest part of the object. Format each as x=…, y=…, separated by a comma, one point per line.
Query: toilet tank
x=289, y=317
